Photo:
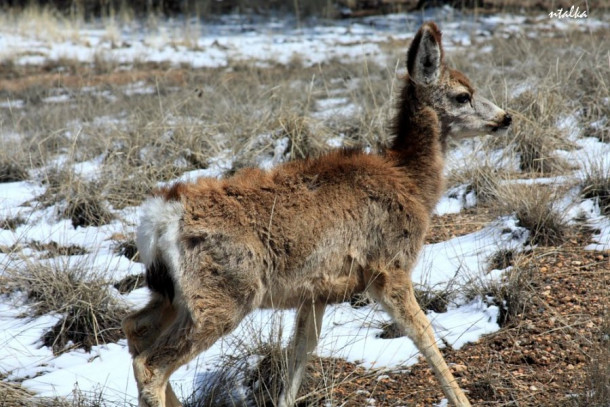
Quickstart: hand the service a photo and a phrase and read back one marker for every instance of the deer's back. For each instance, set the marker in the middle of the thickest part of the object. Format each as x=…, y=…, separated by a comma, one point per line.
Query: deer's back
x=315, y=226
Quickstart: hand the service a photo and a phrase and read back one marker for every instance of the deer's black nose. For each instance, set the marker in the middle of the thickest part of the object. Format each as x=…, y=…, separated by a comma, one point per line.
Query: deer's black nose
x=507, y=120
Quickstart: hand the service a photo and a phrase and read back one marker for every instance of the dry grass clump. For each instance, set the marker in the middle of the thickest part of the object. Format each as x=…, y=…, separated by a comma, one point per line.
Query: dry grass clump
x=13, y=395
x=593, y=88
x=483, y=180
x=375, y=95
x=131, y=188
x=537, y=208
x=253, y=375
x=250, y=376
x=514, y=292
x=79, y=200
x=90, y=313
x=86, y=209
x=11, y=171
x=502, y=259
x=304, y=138
x=536, y=136
x=127, y=248
x=17, y=157
x=596, y=185
x=12, y=223
x=294, y=136
x=597, y=381
x=54, y=249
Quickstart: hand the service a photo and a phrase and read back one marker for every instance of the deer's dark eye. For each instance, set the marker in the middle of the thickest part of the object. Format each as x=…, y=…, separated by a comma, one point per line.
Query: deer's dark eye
x=463, y=98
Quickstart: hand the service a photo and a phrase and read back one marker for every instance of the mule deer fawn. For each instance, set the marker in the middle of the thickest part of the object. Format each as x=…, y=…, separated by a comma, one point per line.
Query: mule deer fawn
x=303, y=235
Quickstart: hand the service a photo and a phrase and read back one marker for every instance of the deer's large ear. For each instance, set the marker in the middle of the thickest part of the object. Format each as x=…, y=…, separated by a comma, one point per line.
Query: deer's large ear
x=425, y=55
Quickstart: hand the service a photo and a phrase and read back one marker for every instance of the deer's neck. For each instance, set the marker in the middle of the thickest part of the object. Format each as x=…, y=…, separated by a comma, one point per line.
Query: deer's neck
x=419, y=145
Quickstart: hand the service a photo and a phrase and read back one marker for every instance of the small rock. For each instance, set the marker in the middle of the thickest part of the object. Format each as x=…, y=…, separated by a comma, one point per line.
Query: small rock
x=457, y=368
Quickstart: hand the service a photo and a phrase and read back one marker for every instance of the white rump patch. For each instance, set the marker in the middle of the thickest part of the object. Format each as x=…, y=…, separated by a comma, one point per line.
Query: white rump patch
x=158, y=232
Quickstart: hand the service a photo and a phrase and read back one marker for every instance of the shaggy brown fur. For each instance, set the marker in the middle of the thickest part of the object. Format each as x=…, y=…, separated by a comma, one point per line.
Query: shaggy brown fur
x=306, y=234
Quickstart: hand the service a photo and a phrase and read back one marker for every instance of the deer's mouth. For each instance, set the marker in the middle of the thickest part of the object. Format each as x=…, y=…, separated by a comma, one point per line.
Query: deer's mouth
x=503, y=125
x=498, y=127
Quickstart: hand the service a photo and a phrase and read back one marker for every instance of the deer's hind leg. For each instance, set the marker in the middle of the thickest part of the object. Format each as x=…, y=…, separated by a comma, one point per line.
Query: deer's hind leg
x=306, y=334
x=211, y=311
x=142, y=329
x=395, y=293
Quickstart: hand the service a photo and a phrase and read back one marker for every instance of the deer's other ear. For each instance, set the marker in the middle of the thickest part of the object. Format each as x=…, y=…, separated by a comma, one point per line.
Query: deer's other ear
x=425, y=55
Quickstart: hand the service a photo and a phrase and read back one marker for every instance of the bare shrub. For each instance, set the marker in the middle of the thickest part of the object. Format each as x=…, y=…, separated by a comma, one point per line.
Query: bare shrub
x=90, y=313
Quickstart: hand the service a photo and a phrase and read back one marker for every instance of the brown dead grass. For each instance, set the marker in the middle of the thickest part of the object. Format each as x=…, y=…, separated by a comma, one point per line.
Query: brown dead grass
x=538, y=209
x=90, y=313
